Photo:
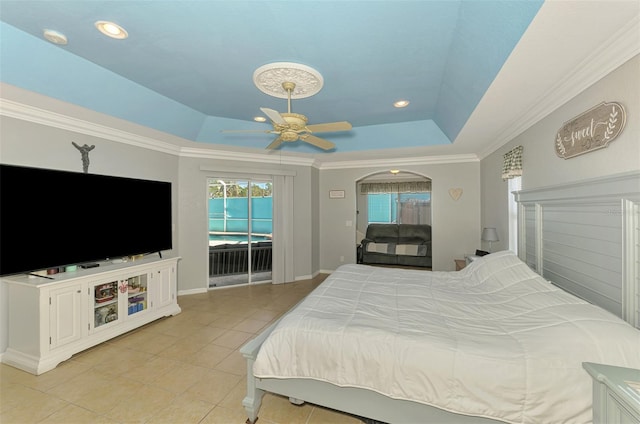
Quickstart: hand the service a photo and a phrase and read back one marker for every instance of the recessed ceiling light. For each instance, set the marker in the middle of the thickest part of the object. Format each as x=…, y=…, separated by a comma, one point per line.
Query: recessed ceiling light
x=55, y=37
x=112, y=30
x=401, y=103
x=260, y=119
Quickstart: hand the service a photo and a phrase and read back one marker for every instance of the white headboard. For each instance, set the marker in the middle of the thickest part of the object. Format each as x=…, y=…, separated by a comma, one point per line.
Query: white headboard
x=585, y=238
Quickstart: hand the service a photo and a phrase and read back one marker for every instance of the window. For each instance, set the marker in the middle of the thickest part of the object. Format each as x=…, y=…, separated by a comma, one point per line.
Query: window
x=400, y=208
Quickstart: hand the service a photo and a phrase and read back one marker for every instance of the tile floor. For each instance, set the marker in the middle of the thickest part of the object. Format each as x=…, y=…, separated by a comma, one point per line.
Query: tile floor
x=181, y=369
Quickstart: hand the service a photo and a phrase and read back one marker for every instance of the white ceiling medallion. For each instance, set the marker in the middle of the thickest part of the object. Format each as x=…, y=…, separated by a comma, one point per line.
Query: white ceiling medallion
x=269, y=79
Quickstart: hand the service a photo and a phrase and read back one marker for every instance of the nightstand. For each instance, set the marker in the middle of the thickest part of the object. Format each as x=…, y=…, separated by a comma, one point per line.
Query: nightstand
x=616, y=393
x=460, y=263
x=470, y=258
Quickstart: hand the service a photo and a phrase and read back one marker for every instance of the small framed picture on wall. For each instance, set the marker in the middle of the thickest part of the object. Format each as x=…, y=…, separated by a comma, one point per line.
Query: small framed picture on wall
x=336, y=194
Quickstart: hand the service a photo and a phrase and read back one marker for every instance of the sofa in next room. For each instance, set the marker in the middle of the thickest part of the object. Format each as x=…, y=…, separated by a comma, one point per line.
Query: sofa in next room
x=397, y=244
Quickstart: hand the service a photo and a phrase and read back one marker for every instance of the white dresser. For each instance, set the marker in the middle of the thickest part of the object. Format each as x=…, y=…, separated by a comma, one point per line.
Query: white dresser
x=55, y=317
x=616, y=394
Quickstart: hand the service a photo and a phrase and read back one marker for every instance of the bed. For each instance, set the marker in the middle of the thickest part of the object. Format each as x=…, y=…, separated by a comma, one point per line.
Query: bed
x=494, y=342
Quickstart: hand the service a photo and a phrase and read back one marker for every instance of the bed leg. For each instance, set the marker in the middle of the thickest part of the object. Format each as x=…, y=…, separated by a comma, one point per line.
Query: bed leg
x=296, y=401
x=253, y=400
x=249, y=351
x=252, y=403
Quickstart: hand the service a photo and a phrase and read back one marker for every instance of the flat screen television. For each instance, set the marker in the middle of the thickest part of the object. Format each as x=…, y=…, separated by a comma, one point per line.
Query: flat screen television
x=51, y=218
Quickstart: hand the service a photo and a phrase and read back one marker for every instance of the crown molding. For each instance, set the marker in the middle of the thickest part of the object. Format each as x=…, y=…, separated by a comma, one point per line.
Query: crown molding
x=49, y=118
x=610, y=55
x=273, y=157
x=36, y=115
x=52, y=119
x=399, y=162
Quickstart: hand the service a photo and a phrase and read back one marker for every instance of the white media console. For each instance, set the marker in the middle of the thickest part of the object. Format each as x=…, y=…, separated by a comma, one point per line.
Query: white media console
x=52, y=318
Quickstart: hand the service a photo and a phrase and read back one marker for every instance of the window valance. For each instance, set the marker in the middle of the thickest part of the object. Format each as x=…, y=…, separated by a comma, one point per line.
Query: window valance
x=512, y=165
x=396, y=187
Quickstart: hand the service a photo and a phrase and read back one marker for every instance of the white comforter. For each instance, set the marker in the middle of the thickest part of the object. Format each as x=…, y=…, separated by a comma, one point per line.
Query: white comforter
x=493, y=340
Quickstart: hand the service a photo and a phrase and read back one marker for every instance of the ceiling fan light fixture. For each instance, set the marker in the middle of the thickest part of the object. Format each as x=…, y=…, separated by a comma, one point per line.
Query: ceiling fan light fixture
x=291, y=80
x=111, y=29
x=401, y=103
x=395, y=171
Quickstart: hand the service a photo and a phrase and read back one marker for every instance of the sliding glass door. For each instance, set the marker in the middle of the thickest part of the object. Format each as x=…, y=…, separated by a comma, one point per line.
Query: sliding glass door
x=240, y=231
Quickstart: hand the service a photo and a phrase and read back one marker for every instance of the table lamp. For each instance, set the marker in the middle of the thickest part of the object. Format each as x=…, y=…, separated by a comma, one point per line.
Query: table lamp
x=489, y=234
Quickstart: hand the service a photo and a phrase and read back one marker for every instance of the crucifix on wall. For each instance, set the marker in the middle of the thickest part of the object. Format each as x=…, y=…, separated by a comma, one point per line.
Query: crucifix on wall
x=84, y=151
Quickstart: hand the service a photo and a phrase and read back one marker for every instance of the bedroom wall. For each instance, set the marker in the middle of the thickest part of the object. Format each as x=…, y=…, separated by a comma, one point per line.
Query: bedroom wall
x=542, y=167
x=315, y=221
x=30, y=144
x=26, y=143
x=456, y=224
x=193, y=241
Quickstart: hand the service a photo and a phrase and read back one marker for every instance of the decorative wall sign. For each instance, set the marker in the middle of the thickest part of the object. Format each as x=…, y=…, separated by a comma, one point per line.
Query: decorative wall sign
x=455, y=193
x=594, y=129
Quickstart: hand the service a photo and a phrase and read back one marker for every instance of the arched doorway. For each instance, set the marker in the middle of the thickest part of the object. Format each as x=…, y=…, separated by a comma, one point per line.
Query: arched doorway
x=400, y=197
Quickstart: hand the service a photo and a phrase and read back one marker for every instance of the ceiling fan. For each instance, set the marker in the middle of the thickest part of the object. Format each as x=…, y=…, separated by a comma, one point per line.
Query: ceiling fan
x=293, y=126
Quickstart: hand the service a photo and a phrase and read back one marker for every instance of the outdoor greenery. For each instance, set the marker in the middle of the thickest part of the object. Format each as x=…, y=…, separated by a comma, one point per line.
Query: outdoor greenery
x=240, y=189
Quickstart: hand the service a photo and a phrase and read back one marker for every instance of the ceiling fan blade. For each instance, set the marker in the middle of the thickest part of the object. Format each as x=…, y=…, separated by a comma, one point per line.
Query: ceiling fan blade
x=330, y=127
x=317, y=141
x=275, y=143
x=274, y=115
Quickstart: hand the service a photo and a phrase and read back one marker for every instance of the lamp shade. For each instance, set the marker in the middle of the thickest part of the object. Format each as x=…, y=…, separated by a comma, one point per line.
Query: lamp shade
x=489, y=234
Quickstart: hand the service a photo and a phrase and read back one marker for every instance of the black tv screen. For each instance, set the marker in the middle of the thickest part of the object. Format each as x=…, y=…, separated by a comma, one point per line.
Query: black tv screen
x=51, y=218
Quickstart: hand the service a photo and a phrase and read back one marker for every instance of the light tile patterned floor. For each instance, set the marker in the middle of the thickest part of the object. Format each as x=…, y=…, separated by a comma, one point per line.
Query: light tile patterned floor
x=182, y=369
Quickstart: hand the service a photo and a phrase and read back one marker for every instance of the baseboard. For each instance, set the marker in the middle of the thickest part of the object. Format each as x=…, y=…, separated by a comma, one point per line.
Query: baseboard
x=312, y=276
x=192, y=291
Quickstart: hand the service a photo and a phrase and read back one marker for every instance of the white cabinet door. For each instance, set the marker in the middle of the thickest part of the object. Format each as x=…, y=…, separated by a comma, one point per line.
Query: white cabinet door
x=65, y=315
x=137, y=294
x=164, y=285
x=104, y=304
